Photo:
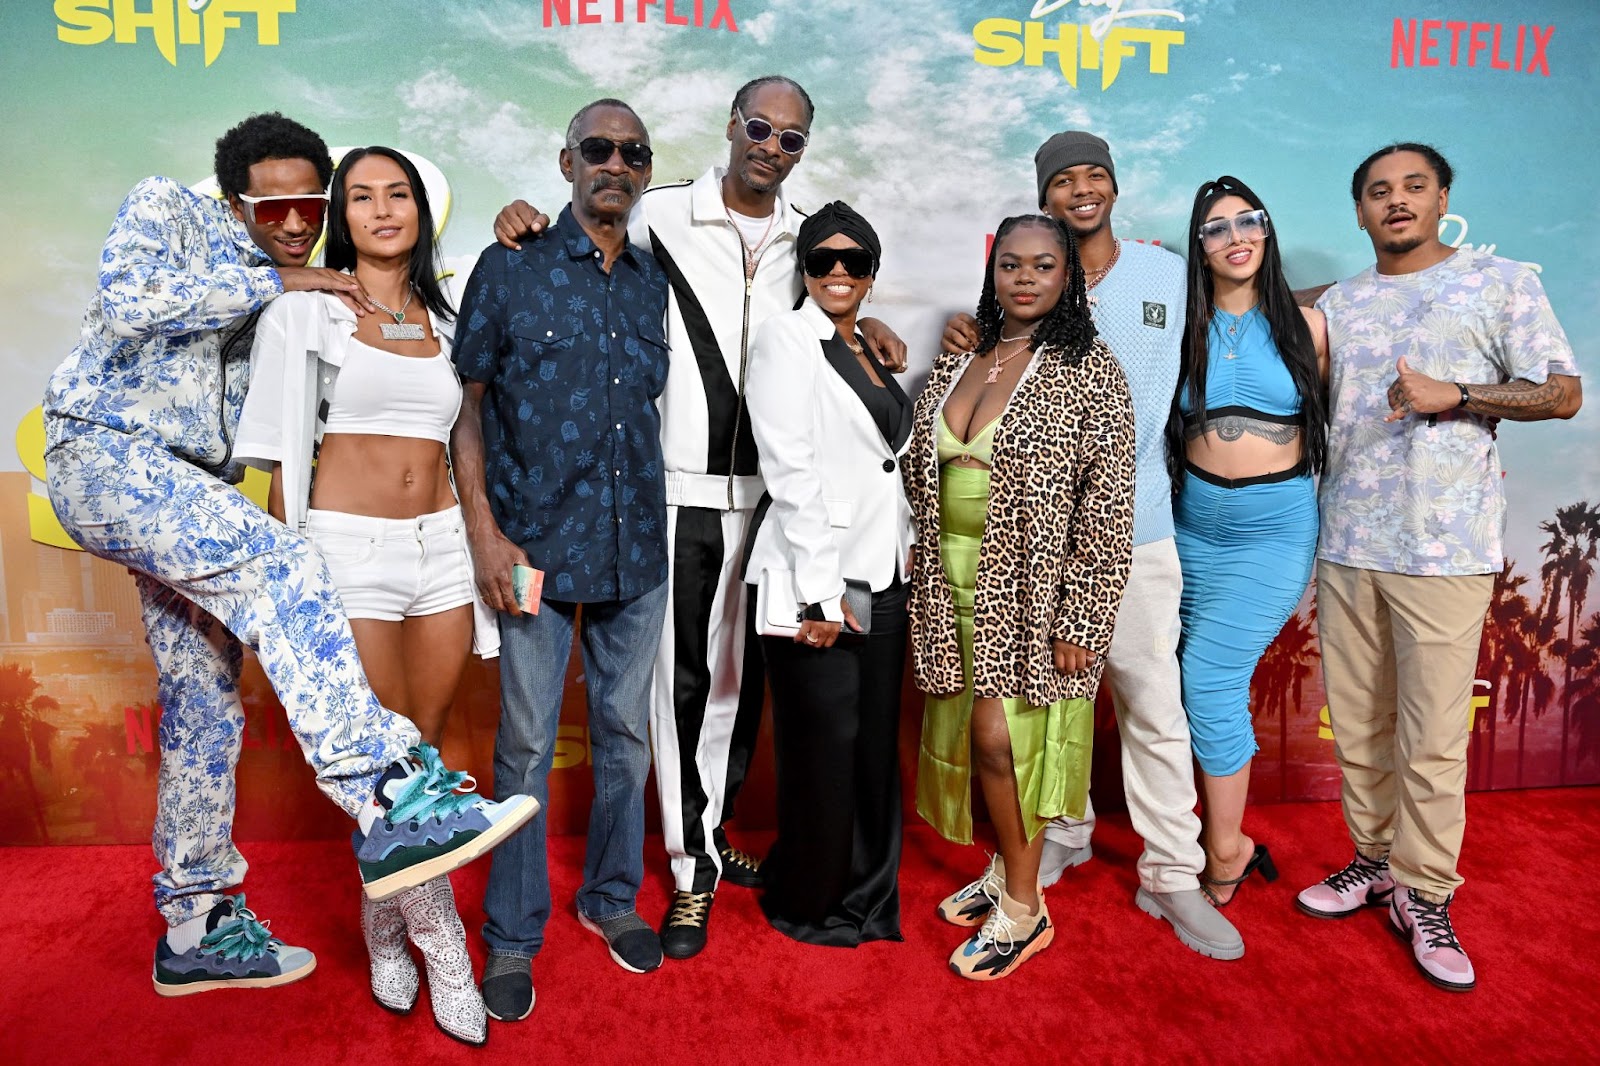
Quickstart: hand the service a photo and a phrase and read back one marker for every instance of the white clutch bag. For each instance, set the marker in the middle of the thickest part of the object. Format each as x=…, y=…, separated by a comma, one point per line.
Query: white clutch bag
x=779, y=608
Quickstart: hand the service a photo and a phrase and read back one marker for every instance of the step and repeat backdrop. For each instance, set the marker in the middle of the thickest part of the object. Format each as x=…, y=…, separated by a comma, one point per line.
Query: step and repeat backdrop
x=928, y=113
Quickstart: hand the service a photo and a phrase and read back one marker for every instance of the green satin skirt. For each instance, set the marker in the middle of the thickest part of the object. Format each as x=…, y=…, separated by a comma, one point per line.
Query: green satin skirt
x=1051, y=746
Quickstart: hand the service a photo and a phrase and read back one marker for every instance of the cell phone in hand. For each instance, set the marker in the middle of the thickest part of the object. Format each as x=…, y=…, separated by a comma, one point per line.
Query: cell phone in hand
x=527, y=585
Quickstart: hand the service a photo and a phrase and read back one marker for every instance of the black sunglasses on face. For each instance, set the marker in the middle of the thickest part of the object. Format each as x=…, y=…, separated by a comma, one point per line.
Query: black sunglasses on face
x=596, y=150
x=793, y=142
x=857, y=262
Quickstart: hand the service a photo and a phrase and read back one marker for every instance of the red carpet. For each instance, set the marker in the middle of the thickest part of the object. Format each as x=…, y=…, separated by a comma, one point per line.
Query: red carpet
x=1116, y=987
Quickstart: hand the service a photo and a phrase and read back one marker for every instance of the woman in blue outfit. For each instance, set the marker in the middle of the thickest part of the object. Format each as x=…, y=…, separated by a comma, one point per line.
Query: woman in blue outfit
x=1247, y=436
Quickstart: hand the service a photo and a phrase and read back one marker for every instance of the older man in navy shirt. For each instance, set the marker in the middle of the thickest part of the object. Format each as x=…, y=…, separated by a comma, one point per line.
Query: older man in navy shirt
x=558, y=461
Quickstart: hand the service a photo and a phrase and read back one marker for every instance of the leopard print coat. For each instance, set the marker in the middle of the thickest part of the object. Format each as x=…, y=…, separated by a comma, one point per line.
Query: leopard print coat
x=1058, y=539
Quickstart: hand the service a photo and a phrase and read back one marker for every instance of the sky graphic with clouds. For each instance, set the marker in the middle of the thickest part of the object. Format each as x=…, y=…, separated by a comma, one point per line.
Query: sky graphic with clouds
x=931, y=145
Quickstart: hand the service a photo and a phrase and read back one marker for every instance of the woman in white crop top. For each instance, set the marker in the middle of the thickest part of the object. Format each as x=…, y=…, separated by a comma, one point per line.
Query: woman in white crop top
x=381, y=509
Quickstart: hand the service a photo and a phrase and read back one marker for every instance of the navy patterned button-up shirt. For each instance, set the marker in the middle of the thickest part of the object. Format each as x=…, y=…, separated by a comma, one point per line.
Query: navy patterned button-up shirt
x=574, y=359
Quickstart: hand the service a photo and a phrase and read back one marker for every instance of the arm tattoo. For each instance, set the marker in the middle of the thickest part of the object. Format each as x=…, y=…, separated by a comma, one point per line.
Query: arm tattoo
x=1233, y=427
x=1517, y=401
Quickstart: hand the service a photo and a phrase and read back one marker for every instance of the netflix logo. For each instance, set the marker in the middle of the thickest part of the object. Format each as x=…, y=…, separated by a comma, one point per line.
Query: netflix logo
x=1437, y=42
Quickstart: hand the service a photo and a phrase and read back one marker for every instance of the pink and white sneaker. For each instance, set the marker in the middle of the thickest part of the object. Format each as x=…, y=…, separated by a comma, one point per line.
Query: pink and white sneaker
x=1433, y=942
x=1363, y=883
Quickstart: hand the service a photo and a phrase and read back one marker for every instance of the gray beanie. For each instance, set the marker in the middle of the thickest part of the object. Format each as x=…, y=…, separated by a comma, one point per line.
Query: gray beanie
x=1069, y=149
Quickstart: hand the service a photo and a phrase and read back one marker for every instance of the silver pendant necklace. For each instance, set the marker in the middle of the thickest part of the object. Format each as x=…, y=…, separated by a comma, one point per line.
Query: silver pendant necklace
x=399, y=329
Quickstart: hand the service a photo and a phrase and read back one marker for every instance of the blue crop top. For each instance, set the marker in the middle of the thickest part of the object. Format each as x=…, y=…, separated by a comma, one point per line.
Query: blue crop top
x=1245, y=375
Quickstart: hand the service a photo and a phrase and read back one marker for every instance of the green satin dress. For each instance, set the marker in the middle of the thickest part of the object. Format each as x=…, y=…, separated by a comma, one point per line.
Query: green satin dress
x=1051, y=746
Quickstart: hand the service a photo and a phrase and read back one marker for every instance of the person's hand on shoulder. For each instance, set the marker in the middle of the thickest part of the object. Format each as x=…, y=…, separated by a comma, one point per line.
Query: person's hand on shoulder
x=517, y=221
x=326, y=279
x=960, y=334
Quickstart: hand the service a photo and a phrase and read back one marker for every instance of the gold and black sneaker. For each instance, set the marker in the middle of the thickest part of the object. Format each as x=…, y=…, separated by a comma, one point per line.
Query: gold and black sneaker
x=739, y=867
x=1008, y=938
x=683, y=931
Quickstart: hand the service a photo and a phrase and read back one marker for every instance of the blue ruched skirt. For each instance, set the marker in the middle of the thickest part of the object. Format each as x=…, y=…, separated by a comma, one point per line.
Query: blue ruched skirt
x=1246, y=555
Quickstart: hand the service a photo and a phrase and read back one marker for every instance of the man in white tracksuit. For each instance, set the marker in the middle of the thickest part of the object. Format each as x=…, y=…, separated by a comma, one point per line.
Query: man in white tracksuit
x=726, y=241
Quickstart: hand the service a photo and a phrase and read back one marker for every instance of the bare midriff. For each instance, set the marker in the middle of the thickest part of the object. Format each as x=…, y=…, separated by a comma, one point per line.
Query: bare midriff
x=381, y=476
x=1237, y=446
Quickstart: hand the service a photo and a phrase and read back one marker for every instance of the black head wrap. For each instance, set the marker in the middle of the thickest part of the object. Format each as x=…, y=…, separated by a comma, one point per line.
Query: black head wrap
x=837, y=217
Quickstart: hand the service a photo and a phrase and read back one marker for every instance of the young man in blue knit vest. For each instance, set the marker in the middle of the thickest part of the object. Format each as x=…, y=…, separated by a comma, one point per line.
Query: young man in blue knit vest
x=1136, y=293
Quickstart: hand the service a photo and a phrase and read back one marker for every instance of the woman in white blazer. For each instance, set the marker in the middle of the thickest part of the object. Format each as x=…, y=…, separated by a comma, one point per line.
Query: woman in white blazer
x=831, y=424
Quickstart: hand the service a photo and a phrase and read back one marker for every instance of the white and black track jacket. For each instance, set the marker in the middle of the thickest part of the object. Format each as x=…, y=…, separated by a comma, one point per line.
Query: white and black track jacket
x=712, y=317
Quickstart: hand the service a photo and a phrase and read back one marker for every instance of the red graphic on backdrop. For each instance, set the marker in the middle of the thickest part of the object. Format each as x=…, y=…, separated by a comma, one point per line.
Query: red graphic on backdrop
x=1422, y=44
x=672, y=12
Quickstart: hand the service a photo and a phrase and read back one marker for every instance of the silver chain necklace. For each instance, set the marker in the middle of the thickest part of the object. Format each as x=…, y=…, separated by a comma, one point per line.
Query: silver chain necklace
x=399, y=329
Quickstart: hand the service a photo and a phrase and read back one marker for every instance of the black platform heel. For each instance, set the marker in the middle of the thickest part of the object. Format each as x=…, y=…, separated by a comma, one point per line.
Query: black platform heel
x=1260, y=859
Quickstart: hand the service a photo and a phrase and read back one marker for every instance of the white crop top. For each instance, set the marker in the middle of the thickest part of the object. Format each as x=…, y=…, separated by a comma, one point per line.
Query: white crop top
x=391, y=395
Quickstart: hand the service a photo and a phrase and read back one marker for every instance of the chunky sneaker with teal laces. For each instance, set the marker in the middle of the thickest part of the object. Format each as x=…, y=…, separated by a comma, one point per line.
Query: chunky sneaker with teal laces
x=427, y=821
x=236, y=951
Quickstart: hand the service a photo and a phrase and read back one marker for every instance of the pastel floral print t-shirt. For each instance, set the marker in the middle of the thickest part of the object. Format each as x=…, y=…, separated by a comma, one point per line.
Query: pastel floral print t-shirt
x=1423, y=495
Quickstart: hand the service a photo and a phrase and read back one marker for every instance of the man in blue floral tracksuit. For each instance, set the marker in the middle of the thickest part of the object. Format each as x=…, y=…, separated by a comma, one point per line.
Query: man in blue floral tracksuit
x=138, y=423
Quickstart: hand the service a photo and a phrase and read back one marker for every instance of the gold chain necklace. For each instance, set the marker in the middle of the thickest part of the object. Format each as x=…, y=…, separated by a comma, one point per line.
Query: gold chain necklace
x=1091, y=280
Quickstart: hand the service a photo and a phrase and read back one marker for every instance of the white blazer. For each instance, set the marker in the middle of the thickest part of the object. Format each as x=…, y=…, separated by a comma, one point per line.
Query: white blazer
x=838, y=508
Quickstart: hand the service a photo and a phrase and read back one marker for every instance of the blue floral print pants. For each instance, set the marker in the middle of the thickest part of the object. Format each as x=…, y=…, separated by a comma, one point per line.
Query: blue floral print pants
x=215, y=571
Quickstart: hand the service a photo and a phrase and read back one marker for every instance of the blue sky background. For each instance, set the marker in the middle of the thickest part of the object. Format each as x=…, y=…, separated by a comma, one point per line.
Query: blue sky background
x=934, y=147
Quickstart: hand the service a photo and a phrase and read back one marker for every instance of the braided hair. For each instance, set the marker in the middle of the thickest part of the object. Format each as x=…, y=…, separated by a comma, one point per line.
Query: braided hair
x=1067, y=328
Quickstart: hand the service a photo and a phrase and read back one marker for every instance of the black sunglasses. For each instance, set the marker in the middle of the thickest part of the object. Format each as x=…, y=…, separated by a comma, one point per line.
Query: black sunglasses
x=596, y=150
x=857, y=262
x=793, y=142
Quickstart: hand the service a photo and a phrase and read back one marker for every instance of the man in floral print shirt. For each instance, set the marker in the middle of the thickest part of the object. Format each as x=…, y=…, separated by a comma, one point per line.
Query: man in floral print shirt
x=139, y=421
x=1429, y=348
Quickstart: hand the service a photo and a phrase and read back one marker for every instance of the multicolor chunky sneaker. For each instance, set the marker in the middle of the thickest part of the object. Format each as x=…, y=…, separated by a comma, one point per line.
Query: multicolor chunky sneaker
x=423, y=825
x=1433, y=942
x=236, y=951
x=1363, y=883
x=1008, y=938
x=970, y=905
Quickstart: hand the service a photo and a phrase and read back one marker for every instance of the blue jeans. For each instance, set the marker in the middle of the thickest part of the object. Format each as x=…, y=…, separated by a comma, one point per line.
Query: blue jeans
x=619, y=646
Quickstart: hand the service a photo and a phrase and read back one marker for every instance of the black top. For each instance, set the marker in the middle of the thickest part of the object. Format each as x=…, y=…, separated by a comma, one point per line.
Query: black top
x=886, y=404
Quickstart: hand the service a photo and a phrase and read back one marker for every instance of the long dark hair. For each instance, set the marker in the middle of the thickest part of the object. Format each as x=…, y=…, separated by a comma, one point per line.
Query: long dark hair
x=1067, y=328
x=1289, y=332
x=424, y=267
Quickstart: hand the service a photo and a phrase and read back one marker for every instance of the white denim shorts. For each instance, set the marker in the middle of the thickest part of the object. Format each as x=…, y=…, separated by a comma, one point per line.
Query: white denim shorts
x=395, y=568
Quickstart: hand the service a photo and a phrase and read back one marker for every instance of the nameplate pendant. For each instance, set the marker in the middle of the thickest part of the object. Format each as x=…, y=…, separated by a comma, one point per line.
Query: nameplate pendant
x=401, y=331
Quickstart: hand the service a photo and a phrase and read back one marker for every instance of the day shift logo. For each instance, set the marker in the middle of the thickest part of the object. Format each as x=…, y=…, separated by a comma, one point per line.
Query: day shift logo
x=168, y=23
x=1098, y=44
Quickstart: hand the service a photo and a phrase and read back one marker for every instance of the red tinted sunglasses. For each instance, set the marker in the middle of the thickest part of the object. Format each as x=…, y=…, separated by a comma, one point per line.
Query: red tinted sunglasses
x=274, y=210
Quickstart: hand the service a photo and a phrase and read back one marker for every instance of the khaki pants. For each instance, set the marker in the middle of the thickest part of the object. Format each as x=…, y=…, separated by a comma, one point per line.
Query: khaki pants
x=1399, y=654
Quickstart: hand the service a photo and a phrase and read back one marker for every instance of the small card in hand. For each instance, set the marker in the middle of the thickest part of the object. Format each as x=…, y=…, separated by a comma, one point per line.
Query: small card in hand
x=527, y=584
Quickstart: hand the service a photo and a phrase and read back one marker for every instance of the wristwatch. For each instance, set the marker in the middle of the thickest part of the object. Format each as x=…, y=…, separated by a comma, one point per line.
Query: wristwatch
x=813, y=613
x=1465, y=396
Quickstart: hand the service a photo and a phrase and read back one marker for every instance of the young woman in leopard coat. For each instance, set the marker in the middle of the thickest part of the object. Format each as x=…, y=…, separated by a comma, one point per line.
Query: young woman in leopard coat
x=1020, y=477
